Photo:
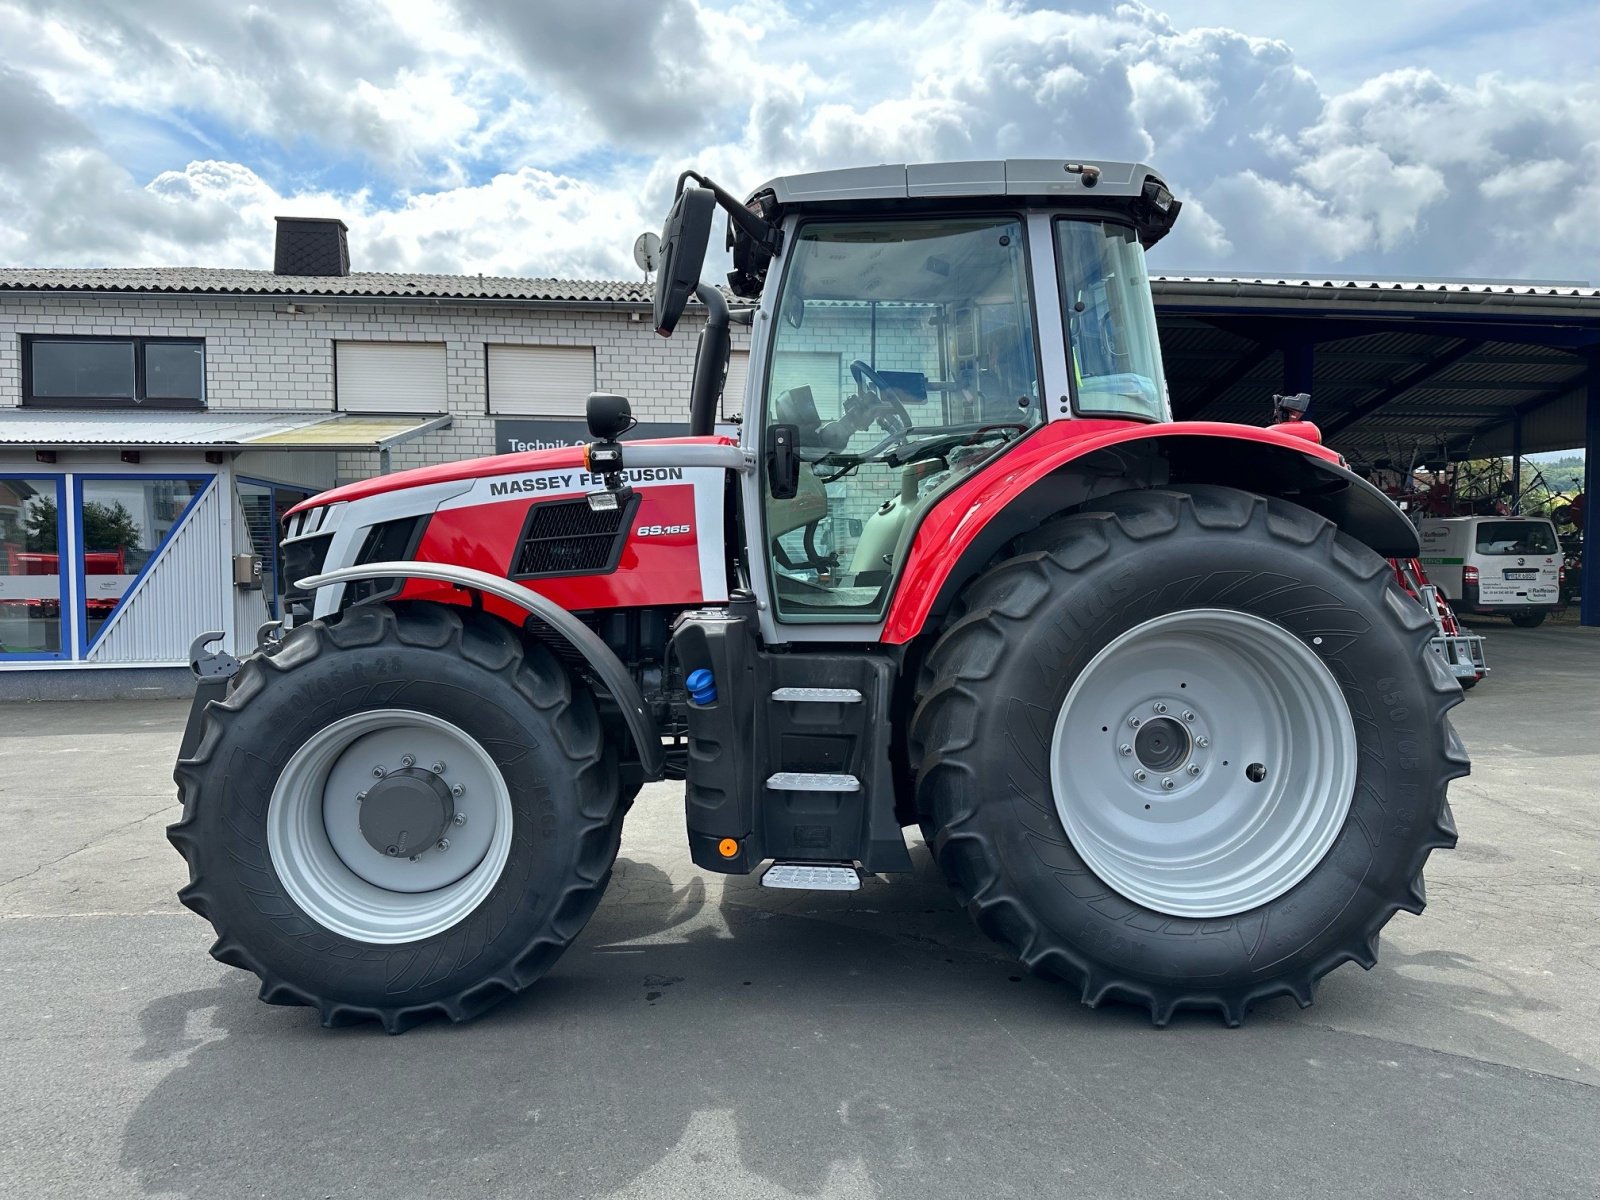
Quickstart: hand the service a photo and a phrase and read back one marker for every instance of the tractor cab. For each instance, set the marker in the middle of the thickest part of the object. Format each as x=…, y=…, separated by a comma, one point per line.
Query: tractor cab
x=912, y=323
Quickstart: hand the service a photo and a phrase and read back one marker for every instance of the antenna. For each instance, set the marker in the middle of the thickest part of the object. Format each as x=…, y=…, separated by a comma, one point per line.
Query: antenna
x=647, y=253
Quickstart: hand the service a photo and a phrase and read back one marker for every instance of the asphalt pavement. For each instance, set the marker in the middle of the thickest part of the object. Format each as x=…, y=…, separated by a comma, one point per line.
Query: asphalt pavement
x=709, y=1038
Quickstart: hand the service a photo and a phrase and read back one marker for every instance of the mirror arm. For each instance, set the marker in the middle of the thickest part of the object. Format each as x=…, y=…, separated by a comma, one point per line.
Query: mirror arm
x=765, y=233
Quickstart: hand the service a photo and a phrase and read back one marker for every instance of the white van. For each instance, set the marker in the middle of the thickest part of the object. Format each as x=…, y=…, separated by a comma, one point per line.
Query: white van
x=1505, y=566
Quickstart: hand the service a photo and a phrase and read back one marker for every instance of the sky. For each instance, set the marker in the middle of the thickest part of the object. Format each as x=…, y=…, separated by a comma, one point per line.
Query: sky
x=1433, y=138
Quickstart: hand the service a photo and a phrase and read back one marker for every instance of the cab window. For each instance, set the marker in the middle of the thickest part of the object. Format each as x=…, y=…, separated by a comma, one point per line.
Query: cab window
x=1111, y=321
x=904, y=356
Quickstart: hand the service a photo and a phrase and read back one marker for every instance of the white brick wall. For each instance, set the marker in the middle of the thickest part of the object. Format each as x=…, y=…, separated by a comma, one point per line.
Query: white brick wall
x=260, y=356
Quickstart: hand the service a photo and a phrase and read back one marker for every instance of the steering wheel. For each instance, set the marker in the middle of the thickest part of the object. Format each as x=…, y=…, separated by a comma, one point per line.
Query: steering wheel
x=863, y=375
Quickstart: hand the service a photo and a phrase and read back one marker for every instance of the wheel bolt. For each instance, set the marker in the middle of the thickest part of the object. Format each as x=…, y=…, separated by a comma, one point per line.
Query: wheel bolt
x=407, y=760
x=438, y=768
x=1194, y=768
x=1202, y=742
x=1187, y=715
x=1159, y=707
x=1140, y=776
x=1135, y=722
x=392, y=851
x=457, y=791
x=378, y=772
x=444, y=844
x=1167, y=785
x=1124, y=749
x=461, y=818
x=360, y=796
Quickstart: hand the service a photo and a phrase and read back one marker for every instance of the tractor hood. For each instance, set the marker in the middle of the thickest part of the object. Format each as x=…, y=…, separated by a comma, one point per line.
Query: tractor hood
x=480, y=468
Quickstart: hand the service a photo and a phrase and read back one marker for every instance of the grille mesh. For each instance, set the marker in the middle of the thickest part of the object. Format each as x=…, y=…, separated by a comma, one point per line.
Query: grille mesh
x=568, y=537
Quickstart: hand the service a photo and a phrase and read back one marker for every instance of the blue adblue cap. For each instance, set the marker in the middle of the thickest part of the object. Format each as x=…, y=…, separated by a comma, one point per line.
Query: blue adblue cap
x=702, y=687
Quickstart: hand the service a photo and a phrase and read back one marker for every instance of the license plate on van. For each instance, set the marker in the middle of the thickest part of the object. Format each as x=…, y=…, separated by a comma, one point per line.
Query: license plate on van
x=1522, y=574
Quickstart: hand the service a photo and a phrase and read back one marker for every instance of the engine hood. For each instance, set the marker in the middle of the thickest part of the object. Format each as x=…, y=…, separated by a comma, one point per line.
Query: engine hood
x=478, y=468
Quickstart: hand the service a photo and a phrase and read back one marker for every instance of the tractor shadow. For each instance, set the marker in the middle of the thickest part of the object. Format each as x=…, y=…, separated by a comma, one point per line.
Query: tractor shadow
x=709, y=1036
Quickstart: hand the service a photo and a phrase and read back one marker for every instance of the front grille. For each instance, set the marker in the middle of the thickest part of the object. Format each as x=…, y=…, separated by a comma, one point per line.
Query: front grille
x=301, y=558
x=567, y=537
x=391, y=541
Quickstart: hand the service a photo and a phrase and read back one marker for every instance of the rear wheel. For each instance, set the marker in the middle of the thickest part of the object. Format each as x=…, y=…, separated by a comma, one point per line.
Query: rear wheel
x=398, y=814
x=1189, y=749
x=1528, y=620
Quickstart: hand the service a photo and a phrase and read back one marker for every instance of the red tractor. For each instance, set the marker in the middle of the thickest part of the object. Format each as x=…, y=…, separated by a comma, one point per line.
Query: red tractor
x=1168, y=722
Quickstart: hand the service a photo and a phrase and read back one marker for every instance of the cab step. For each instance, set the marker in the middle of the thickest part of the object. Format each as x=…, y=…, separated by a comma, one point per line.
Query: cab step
x=812, y=781
x=817, y=695
x=812, y=877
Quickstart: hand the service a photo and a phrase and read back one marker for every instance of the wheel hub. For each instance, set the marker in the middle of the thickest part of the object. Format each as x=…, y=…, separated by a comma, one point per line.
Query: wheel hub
x=1162, y=745
x=406, y=812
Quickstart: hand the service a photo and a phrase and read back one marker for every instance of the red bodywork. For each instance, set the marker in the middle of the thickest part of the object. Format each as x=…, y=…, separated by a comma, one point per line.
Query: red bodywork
x=670, y=569
x=955, y=522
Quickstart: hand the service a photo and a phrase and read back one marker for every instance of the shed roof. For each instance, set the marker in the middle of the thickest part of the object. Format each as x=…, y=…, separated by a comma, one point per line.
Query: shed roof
x=56, y=429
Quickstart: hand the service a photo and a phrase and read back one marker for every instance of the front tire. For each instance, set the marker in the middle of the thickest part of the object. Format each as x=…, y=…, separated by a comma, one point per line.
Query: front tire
x=1280, y=643
x=1528, y=620
x=400, y=813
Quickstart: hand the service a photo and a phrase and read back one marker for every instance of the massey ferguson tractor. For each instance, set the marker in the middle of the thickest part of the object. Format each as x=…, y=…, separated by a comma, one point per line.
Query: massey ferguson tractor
x=1165, y=718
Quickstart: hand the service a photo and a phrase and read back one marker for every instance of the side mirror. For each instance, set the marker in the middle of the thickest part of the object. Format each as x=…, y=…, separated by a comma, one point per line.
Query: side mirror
x=683, y=254
x=783, y=462
x=609, y=416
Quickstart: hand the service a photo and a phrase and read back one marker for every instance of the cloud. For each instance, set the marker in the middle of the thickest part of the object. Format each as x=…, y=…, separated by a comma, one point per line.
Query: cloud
x=473, y=135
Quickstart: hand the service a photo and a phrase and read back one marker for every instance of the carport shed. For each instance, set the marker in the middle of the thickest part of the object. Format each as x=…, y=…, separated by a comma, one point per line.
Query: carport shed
x=1437, y=370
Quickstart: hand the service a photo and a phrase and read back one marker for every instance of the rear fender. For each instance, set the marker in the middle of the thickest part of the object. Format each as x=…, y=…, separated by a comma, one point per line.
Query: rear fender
x=606, y=665
x=1053, y=472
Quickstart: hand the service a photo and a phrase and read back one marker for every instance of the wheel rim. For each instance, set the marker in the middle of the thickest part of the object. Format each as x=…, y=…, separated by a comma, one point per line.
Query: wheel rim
x=1204, y=762
x=362, y=874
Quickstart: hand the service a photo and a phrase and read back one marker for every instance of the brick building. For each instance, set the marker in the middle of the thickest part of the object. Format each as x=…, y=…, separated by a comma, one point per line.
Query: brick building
x=154, y=424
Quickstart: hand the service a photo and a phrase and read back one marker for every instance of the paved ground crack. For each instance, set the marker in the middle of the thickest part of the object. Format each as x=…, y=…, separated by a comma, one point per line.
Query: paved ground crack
x=94, y=841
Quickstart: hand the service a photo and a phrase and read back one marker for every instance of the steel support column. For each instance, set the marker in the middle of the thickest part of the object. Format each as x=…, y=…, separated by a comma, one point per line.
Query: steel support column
x=1516, y=461
x=1590, y=611
x=1299, y=364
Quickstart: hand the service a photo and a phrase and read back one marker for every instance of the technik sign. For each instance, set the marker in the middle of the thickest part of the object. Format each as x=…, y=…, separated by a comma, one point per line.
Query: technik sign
x=513, y=436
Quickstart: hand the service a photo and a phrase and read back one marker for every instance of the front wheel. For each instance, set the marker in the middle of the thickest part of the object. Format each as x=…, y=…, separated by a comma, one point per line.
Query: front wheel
x=401, y=813
x=1187, y=749
x=1528, y=620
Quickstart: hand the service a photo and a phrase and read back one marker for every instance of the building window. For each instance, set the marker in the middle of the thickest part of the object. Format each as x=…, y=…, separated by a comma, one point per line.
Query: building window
x=125, y=520
x=81, y=372
x=390, y=377
x=540, y=381
x=31, y=550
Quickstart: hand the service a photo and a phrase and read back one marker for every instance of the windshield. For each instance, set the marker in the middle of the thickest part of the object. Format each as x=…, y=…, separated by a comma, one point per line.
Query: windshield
x=1516, y=537
x=904, y=356
x=1111, y=323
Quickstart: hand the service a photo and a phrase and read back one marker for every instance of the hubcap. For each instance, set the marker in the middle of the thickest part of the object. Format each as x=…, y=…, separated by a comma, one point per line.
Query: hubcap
x=357, y=830
x=1203, y=762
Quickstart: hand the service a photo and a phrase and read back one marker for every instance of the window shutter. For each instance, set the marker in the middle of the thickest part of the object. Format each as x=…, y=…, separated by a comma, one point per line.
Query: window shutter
x=818, y=370
x=540, y=381
x=733, y=389
x=391, y=377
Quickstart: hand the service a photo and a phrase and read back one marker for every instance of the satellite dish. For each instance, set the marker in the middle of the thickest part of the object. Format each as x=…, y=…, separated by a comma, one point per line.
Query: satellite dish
x=647, y=251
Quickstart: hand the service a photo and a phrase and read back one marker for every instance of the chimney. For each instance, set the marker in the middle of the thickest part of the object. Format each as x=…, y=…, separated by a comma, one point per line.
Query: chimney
x=311, y=246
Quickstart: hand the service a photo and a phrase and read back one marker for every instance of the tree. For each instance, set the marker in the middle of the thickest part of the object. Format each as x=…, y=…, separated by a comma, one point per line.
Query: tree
x=105, y=527
x=110, y=527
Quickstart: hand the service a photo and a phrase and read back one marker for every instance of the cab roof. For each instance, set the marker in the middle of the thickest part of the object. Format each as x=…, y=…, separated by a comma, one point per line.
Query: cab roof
x=1051, y=179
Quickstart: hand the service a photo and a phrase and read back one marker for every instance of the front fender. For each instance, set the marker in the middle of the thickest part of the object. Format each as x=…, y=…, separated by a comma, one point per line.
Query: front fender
x=607, y=666
x=1068, y=462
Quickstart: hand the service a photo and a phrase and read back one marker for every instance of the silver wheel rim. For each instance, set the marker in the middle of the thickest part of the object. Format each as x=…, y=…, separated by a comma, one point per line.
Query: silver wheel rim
x=346, y=885
x=1203, y=762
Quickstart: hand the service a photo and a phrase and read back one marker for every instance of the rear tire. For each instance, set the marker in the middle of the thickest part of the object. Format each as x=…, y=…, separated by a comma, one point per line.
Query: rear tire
x=1528, y=620
x=1032, y=629
x=336, y=925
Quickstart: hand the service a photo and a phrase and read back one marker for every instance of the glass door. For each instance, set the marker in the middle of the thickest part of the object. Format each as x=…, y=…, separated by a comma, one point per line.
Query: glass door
x=32, y=583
